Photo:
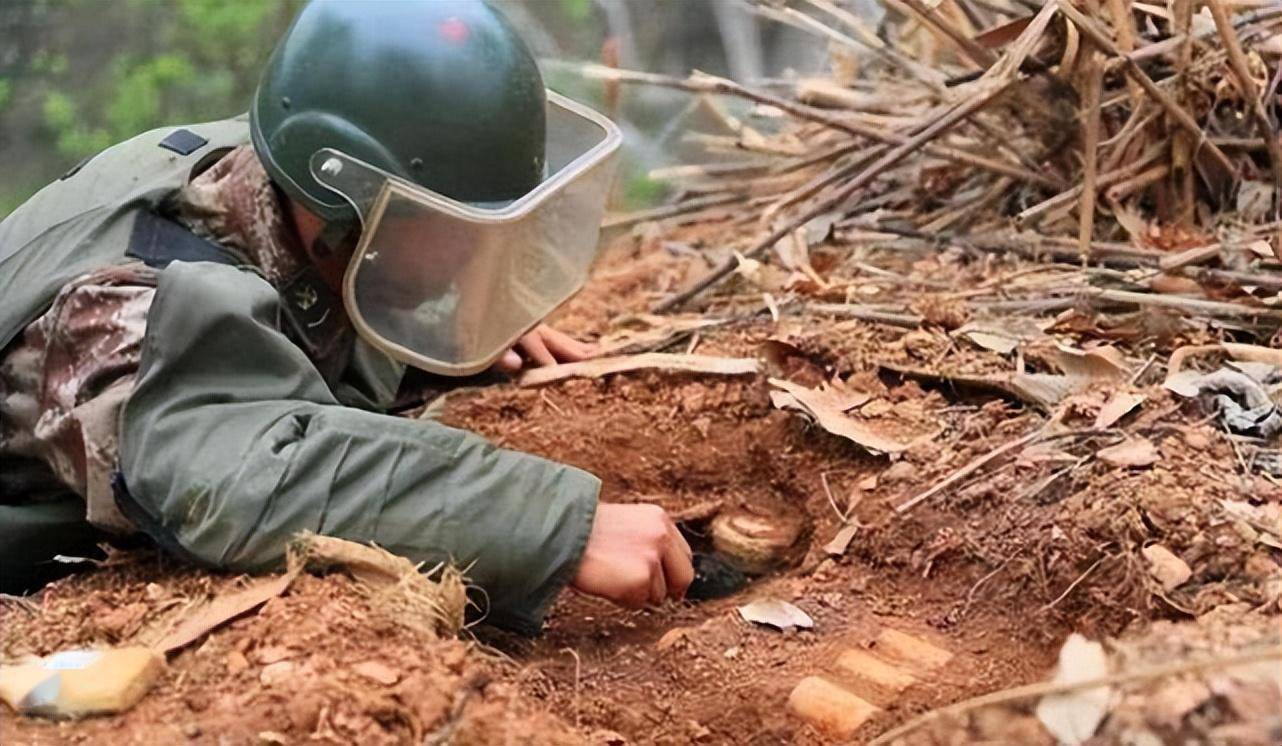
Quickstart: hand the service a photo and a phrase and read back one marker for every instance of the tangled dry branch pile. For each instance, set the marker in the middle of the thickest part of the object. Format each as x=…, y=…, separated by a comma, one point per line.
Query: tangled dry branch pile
x=1045, y=194
x=1136, y=140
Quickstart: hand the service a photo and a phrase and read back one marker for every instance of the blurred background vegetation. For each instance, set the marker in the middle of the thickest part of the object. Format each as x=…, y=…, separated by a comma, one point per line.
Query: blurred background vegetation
x=79, y=75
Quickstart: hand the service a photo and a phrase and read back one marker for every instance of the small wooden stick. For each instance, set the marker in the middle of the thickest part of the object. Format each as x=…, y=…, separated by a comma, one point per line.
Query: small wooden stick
x=1104, y=180
x=1237, y=61
x=973, y=467
x=865, y=177
x=1139, y=181
x=1094, y=75
x=704, y=83
x=1195, y=306
x=1124, y=22
x=1189, y=257
x=941, y=26
x=1047, y=688
x=668, y=211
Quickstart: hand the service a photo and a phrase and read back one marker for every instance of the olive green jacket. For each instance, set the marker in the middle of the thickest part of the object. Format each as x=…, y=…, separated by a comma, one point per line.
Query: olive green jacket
x=232, y=443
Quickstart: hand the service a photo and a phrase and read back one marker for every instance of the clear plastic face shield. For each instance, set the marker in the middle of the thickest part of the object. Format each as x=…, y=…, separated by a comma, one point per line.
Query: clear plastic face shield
x=448, y=287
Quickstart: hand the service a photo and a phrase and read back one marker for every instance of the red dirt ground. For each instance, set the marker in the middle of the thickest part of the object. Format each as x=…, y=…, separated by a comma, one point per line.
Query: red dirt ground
x=996, y=576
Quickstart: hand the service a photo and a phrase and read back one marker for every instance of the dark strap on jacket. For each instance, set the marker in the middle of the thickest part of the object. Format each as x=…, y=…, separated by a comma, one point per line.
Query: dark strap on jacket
x=157, y=241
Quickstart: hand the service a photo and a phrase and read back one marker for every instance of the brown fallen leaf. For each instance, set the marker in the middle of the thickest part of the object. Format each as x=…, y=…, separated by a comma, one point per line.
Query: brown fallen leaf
x=1002, y=336
x=1043, y=390
x=1165, y=567
x=828, y=408
x=726, y=366
x=1105, y=363
x=840, y=542
x=1133, y=453
x=222, y=610
x=1118, y=406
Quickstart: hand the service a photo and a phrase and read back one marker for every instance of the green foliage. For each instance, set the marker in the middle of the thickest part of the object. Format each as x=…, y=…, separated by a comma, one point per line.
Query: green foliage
x=141, y=89
x=5, y=90
x=49, y=63
x=196, y=60
x=74, y=139
x=577, y=10
x=228, y=30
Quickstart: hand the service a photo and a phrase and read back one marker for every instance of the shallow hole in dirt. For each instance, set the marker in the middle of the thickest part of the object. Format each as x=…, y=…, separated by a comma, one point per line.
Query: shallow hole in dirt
x=696, y=669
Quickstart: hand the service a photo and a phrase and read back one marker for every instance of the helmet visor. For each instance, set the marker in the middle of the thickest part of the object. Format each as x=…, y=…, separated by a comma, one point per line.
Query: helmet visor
x=447, y=286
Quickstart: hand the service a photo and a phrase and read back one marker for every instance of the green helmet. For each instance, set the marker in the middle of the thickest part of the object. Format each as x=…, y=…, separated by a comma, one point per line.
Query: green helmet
x=442, y=93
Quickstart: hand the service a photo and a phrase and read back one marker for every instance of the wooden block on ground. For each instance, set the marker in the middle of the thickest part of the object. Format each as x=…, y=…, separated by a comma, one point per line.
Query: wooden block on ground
x=872, y=670
x=911, y=650
x=829, y=707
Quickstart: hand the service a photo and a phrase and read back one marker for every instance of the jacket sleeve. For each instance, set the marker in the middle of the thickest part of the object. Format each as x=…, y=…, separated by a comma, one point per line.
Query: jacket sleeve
x=232, y=443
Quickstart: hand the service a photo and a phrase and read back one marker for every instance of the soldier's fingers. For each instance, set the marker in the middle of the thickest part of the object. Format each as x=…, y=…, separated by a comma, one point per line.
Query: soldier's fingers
x=567, y=349
x=679, y=540
x=677, y=570
x=510, y=362
x=658, y=586
x=534, y=349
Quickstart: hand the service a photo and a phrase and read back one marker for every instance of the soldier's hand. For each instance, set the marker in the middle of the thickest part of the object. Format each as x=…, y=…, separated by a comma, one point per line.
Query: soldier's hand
x=541, y=346
x=635, y=556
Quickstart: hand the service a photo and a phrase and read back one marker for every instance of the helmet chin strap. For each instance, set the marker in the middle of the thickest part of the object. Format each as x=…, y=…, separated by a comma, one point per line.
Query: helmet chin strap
x=330, y=250
x=337, y=240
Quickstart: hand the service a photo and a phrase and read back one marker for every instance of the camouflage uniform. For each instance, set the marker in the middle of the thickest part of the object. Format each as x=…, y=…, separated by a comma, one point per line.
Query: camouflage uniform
x=63, y=382
x=223, y=405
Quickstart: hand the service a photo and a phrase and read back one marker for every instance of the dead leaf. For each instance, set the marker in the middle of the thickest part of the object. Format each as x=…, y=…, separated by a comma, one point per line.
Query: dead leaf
x=771, y=305
x=1105, y=363
x=794, y=254
x=1266, y=519
x=1043, y=390
x=1002, y=336
x=645, y=332
x=748, y=269
x=1118, y=406
x=725, y=366
x=775, y=613
x=222, y=610
x=828, y=407
x=1043, y=454
x=1133, y=453
x=1074, y=716
x=837, y=546
x=1262, y=248
x=1165, y=567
